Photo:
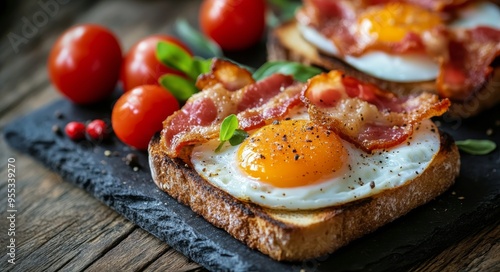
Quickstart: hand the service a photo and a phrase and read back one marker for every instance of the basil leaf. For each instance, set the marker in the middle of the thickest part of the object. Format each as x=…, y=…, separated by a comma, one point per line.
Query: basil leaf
x=175, y=57
x=272, y=19
x=180, y=87
x=476, y=147
x=197, y=41
x=201, y=66
x=285, y=8
x=299, y=71
x=219, y=147
x=228, y=127
x=288, y=11
x=238, y=137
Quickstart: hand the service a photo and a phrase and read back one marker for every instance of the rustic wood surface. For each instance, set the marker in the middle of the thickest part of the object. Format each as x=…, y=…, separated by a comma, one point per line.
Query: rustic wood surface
x=61, y=227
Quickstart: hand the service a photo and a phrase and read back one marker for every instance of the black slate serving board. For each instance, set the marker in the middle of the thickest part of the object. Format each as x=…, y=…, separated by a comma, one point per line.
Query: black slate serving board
x=423, y=232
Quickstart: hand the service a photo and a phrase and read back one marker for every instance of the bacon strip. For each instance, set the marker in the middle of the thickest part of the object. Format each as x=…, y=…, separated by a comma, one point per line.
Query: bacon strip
x=468, y=66
x=255, y=104
x=365, y=115
x=231, y=76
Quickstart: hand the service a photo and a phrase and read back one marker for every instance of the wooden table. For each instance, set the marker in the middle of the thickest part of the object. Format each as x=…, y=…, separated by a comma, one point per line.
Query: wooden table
x=59, y=226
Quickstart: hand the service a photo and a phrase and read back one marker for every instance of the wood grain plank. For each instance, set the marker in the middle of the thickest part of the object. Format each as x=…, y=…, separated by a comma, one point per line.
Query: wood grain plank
x=57, y=222
x=141, y=251
x=133, y=253
x=478, y=252
x=171, y=261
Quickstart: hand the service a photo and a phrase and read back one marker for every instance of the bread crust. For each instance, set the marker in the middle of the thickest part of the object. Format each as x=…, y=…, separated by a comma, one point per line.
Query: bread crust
x=286, y=43
x=301, y=235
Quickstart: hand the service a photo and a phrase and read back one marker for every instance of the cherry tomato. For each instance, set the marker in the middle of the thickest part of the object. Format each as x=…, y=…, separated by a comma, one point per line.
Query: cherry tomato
x=84, y=63
x=138, y=114
x=140, y=65
x=233, y=24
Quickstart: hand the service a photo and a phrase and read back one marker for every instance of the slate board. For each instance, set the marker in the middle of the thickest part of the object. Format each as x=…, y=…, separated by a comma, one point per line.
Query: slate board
x=417, y=236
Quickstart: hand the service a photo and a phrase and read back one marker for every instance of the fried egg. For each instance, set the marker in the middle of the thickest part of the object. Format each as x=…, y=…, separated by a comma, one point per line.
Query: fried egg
x=390, y=23
x=296, y=165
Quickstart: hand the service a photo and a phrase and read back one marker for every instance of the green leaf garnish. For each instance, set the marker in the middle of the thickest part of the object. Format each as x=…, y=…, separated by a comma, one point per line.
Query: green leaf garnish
x=201, y=66
x=285, y=10
x=476, y=147
x=181, y=88
x=229, y=132
x=238, y=137
x=175, y=57
x=227, y=128
x=197, y=41
x=299, y=71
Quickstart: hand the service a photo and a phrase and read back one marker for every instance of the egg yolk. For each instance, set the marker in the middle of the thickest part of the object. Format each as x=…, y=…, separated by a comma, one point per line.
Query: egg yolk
x=291, y=153
x=393, y=21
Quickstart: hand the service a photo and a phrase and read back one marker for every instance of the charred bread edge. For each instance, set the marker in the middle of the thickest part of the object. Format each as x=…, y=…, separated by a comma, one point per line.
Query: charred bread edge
x=286, y=43
x=333, y=227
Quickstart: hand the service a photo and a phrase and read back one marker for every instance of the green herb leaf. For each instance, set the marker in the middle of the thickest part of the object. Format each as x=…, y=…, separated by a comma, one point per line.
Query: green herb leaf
x=181, y=88
x=196, y=40
x=175, y=57
x=285, y=10
x=228, y=127
x=272, y=19
x=201, y=66
x=476, y=147
x=299, y=71
x=238, y=137
x=229, y=132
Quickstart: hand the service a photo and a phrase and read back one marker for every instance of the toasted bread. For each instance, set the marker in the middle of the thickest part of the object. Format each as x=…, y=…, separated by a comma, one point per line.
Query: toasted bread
x=301, y=235
x=286, y=43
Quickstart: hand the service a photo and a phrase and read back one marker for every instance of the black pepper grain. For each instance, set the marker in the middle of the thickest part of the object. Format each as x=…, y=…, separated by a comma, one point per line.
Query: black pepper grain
x=59, y=115
x=132, y=160
x=57, y=130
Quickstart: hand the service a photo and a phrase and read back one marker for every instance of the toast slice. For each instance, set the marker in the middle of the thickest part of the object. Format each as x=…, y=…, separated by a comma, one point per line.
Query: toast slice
x=300, y=235
x=286, y=43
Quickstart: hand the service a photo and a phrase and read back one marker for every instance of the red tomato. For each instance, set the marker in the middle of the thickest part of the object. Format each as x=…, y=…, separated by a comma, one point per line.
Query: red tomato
x=233, y=24
x=84, y=63
x=141, y=67
x=138, y=114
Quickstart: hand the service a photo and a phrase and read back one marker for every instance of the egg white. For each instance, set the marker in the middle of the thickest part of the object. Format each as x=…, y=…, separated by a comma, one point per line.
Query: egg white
x=407, y=67
x=362, y=175
x=478, y=14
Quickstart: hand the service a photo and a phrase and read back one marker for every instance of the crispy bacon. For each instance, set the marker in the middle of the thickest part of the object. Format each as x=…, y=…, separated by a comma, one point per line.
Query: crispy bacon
x=226, y=73
x=468, y=66
x=255, y=104
x=276, y=106
x=364, y=115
